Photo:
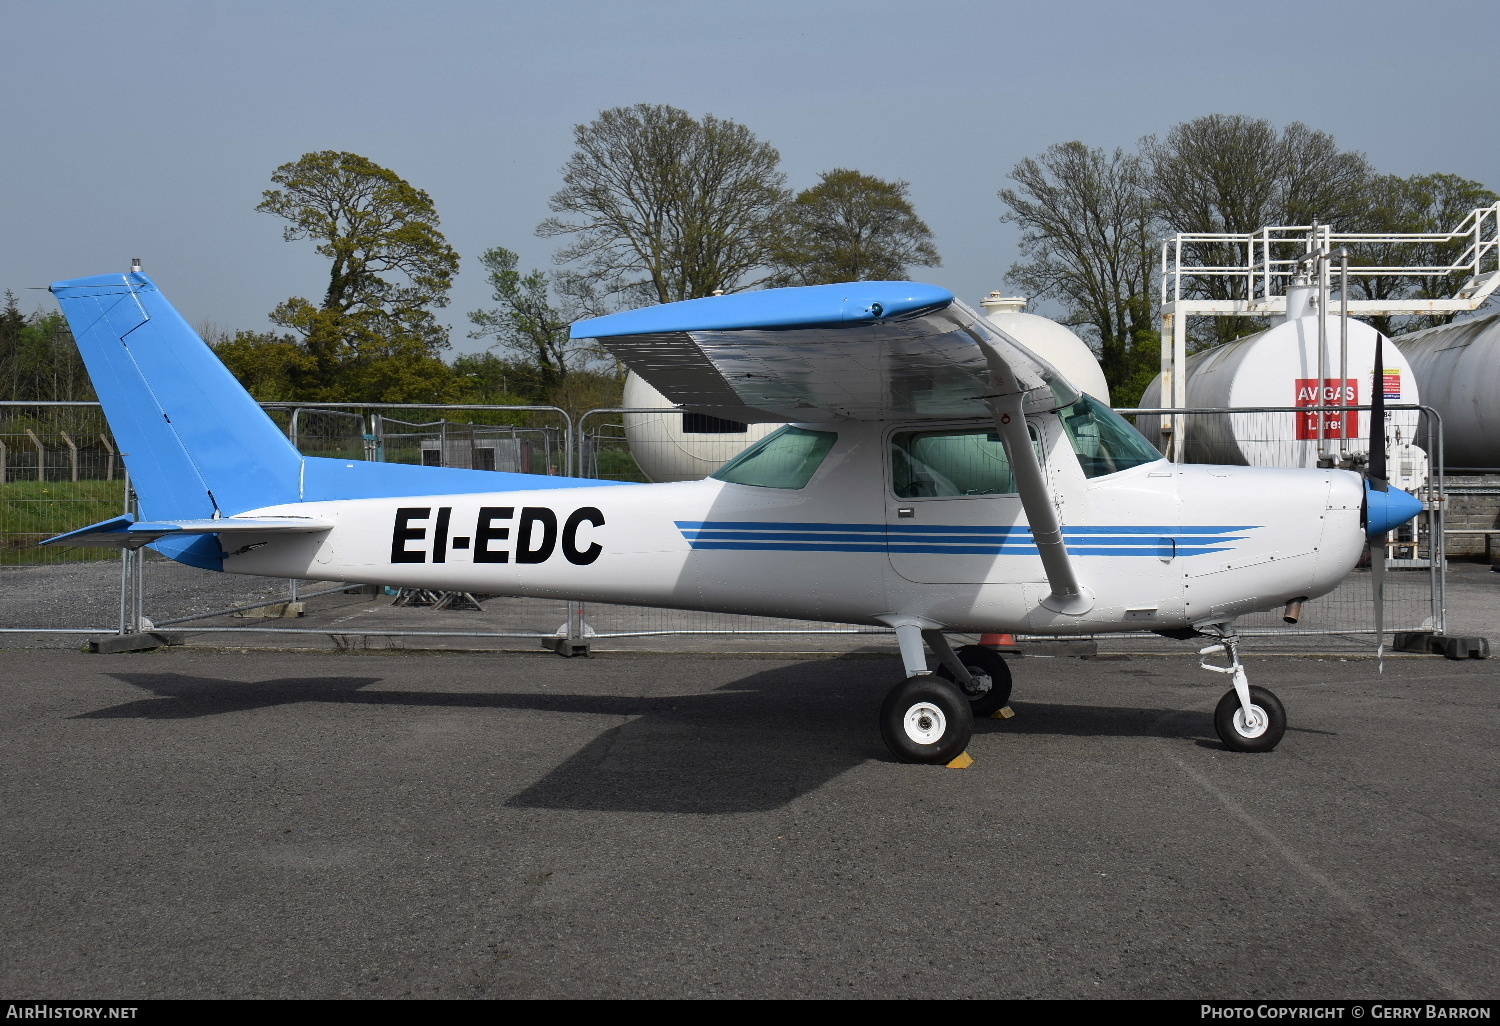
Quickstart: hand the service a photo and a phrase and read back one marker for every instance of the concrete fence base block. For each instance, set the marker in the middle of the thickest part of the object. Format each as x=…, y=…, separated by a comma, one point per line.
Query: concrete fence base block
x=143, y=642
x=1446, y=645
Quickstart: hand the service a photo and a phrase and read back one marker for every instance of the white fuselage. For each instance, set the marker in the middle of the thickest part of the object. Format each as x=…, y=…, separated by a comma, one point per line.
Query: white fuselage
x=1160, y=546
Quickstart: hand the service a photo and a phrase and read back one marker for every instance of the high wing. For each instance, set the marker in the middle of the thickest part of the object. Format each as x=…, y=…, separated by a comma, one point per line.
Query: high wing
x=873, y=350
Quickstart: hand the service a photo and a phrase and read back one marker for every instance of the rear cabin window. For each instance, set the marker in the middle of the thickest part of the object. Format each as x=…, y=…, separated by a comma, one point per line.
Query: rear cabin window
x=787, y=458
x=935, y=464
x=1104, y=441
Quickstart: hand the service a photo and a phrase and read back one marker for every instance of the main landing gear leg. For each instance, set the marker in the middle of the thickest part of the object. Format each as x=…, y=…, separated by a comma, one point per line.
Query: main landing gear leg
x=1247, y=719
x=926, y=718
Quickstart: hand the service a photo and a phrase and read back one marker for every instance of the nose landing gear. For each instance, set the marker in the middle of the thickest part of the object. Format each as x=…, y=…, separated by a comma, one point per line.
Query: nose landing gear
x=1247, y=719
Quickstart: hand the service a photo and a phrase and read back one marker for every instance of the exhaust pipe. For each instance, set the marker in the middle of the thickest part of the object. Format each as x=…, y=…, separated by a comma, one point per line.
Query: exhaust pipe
x=1293, y=611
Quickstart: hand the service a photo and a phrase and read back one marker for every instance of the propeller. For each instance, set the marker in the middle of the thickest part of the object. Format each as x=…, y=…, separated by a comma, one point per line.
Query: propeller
x=1385, y=507
x=1375, y=482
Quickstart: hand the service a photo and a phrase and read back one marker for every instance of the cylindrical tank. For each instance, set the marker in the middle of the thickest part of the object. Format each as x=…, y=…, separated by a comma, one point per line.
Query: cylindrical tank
x=1279, y=367
x=1457, y=367
x=1051, y=341
x=676, y=446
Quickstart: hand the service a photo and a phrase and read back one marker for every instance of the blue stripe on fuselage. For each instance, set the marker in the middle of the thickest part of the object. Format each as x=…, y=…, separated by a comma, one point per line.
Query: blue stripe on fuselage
x=943, y=539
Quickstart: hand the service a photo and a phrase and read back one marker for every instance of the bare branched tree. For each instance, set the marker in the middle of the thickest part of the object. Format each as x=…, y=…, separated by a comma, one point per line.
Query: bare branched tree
x=1231, y=173
x=661, y=207
x=1087, y=232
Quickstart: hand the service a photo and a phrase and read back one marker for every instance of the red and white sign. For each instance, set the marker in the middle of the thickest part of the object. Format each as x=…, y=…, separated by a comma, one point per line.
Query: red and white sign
x=1391, y=383
x=1335, y=425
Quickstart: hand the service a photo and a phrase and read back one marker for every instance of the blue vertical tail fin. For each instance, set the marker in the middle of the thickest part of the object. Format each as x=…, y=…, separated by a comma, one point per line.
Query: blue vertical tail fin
x=195, y=442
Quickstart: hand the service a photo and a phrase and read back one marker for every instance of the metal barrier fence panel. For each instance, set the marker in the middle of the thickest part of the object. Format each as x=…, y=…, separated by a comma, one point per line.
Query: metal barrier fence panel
x=524, y=439
x=1289, y=436
x=59, y=470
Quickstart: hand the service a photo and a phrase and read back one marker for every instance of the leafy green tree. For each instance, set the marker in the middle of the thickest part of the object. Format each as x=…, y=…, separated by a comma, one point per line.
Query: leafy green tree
x=1421, y=204
x=661, y=207
x=526, y=323
x=851, y=227
x=373, y=336
x=38, y=358
x=1088, y=239
x=272, y=367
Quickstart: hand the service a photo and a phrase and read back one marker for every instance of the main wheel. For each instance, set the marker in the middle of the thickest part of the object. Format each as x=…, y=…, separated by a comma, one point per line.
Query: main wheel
x=990, y=673
x=926, y=719
x=1243, y=735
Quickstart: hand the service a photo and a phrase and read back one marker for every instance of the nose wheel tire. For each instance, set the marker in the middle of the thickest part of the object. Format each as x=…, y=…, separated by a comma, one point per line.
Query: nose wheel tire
x=1259, y=732
x=991, y=674
x=926, y=719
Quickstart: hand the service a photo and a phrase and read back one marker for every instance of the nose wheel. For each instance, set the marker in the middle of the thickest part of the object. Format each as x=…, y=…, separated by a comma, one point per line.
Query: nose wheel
x=1247, y=718
x=1257, y=729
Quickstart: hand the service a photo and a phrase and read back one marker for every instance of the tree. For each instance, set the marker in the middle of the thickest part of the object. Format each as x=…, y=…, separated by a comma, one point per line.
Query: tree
x=38, y=358
x=1232, y=173
x=526, y=323
x=851, y=227
x=1087, y=229
x=390, y=267
x=1421, y=204
x=272, y=367
x=660, y=207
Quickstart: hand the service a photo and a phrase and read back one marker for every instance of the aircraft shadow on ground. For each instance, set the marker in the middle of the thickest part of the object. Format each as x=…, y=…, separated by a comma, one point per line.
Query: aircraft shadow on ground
x=754, y=744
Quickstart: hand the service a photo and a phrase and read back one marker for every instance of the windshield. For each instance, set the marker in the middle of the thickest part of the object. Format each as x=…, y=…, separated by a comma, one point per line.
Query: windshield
x=1104, y=441
x=784, y=459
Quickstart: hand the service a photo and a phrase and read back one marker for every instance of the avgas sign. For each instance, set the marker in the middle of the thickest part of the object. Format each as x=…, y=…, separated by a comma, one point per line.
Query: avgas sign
x=1335, y=425
x=497, y=534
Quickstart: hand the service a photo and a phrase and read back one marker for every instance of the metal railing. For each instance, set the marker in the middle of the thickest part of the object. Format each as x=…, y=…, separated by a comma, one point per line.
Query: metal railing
x=1255, y=267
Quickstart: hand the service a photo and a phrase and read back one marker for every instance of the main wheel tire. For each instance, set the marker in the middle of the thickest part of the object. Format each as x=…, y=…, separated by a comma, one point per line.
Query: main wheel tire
x=991, y=669
x=926, y=719
x=1237, y=734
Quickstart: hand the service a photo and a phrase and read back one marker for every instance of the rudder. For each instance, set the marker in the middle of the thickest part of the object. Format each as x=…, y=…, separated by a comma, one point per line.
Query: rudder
x=194, y=440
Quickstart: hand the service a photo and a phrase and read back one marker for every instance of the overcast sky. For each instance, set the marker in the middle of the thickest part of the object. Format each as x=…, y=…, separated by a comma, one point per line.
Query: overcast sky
x=150, y=129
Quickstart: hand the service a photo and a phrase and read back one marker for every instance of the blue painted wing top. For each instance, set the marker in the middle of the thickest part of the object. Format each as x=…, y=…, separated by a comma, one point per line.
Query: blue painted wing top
x=869, y=350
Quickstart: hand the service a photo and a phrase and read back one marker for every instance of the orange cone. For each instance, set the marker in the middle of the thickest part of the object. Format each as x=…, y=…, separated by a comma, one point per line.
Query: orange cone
x=1000, y=642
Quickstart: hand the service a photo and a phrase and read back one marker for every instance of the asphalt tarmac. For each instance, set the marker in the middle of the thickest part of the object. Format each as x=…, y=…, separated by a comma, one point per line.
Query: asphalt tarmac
x=272, y=824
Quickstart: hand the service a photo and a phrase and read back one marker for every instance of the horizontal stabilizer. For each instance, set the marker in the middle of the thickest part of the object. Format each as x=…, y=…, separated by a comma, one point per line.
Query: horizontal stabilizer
x=125, y=532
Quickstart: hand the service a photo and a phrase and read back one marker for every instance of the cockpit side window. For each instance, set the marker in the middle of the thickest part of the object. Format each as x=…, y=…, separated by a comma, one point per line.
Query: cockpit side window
x=1104, y=441
x=787, y=458
x=936, y=464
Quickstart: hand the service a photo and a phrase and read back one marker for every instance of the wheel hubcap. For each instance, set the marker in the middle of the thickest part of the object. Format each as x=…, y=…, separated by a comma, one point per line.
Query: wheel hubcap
x=982, y=683
x=925, y=723
x=1255, y=727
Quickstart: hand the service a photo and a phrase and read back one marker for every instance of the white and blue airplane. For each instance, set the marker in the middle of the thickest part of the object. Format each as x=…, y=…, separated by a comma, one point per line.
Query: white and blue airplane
x=934, y=475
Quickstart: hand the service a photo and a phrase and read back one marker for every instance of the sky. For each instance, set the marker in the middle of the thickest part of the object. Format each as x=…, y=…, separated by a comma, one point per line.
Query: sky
x=150, y=129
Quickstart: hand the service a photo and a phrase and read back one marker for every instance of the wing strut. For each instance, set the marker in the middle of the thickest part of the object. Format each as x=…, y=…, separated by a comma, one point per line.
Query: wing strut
x=1068, y=597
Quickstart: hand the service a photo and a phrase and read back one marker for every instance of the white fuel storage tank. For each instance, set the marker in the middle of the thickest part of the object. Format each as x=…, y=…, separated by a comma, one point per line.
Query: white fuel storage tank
x=677, y=446
x=1279, y=367
x=1457, y=367
x=1051, y=341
